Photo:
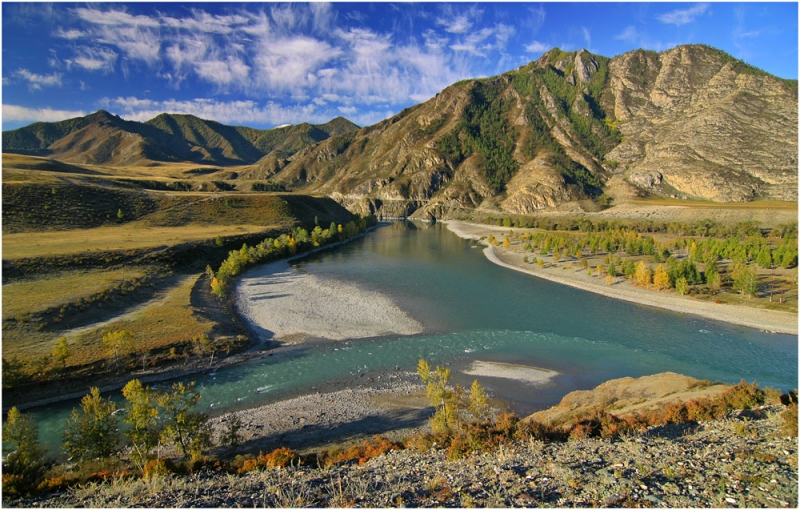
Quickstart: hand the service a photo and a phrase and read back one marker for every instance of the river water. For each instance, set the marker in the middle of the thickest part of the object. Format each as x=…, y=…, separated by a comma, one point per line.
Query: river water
x=473, y=311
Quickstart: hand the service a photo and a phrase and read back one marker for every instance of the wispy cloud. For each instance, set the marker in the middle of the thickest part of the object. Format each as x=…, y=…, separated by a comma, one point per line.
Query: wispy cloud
x=94, y=59
x=536, y=47
x=683, y=16
x=15, y=113
x=630, y=34
x=38, y=81
x=535, y=21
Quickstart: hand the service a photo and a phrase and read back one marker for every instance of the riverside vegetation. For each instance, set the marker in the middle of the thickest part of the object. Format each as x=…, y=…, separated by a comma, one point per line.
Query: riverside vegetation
x=704, y=259
x=605, y=459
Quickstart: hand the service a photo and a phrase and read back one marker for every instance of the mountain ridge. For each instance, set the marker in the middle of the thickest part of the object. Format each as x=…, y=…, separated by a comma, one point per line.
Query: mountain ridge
x=570, y=131
x=103, y=138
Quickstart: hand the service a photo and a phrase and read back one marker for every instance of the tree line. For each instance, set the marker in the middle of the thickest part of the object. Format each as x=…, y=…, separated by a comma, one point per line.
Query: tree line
x=285, y=245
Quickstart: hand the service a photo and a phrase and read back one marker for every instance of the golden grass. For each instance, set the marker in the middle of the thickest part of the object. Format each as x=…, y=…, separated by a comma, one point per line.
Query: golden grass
x=128, y=236
x=755, y=205
x=33, y=296
x=162, y=323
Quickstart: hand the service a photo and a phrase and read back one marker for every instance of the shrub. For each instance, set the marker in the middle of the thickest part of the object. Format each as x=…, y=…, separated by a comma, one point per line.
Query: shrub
x=279, y=458
x=789, y=420
x=743, y=396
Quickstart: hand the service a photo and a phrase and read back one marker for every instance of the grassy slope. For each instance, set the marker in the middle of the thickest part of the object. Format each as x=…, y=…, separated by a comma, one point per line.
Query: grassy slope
x=73, y=268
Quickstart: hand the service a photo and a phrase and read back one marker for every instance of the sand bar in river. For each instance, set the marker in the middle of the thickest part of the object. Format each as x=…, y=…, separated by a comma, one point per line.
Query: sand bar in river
x=281, y=302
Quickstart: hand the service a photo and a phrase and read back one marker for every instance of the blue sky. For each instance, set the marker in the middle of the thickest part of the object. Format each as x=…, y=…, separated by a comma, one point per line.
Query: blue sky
x=268, y=64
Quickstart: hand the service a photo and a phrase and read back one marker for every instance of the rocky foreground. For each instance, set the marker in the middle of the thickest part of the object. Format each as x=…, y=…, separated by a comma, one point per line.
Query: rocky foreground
x=740, y=461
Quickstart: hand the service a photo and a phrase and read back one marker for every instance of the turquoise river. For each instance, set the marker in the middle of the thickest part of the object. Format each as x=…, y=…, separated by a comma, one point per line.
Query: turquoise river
x=473, y=310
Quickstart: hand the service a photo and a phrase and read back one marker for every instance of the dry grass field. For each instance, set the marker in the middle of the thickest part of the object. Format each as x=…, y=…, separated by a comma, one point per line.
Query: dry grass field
x=123, y=237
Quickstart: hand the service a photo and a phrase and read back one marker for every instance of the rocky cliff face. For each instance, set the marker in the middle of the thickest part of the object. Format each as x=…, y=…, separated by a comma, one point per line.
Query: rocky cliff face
x=691, y=122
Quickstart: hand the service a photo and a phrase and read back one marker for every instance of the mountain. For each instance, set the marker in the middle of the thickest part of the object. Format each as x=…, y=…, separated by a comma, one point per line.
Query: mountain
x=568, y=130
x=572, y=131
x=105, y=139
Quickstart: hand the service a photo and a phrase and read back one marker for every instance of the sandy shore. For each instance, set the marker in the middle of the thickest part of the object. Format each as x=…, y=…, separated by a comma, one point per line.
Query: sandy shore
x=281, y=303
x=767, y=320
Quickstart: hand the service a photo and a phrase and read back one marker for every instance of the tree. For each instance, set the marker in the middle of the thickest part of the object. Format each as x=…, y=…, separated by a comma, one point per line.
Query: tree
x=142, y=416
x=682, y=286
x=61, y=351
x=714, y=280
x=643, y=274
x=451, y=404
x=661, y=278
x=440, y=396
x=120, y=214
x=183, y=427
x=92, y=432
x=230, y=436
x=764, y=258
x=745, y=279
x=506, y=243
x=27, y=455
x=117, y=343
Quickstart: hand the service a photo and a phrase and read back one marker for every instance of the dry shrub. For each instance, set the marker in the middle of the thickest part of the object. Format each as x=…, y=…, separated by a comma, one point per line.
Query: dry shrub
x=248, y=465
x=580, y=431
x=675, y=413
x=279, y=458
x=155, y=468
x=789, y=420
x=703, y=409
x=55, y=483
x=15, y=486
x=743, y=396
x=375, y=447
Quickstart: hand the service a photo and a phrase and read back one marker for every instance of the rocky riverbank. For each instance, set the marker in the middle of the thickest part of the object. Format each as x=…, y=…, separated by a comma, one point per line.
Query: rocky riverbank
x=740, y=461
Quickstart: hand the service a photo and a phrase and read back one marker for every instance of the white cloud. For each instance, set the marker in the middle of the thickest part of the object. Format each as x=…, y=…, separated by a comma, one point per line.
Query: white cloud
x=536, y=20
x=37, y=81
x=587, y=37
x=95, y=59
x=458, y=25
x=290, y=63
x=682, y=17
x=223, y=72
x=15, y=113
x=536, y=47
x=114, y=18
x=629, y=34
x=206, y=23
x=71, y=34
x=348, y=110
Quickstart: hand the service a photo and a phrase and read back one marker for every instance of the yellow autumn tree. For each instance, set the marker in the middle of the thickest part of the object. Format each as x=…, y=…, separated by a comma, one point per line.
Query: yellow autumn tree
x=661, y=278
x=643, y=274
